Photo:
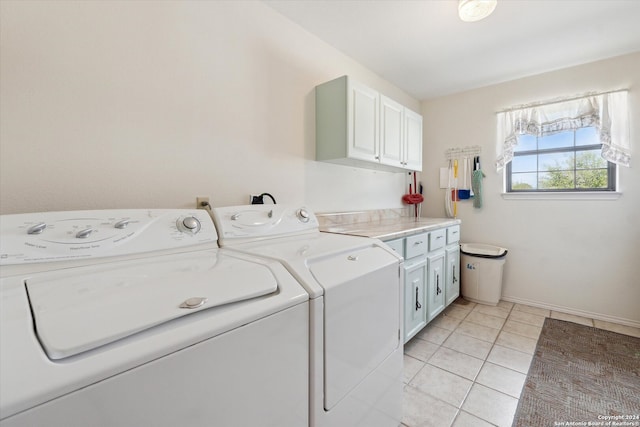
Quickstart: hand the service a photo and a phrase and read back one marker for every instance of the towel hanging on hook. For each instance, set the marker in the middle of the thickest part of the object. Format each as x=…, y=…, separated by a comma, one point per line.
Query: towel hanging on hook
x=476, y=184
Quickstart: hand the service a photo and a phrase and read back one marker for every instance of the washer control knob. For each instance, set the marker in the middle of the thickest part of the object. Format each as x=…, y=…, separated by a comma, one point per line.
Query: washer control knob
x=188, y=224
x=123, y=223
x=302, y=215
x=83, y=234
x=37, y=229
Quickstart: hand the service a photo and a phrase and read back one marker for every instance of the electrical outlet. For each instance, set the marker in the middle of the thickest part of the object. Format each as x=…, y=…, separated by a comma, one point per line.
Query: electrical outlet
x=200, y=201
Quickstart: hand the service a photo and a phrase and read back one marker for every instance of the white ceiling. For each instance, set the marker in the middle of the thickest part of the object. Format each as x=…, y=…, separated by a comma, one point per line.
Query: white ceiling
x=423, y=47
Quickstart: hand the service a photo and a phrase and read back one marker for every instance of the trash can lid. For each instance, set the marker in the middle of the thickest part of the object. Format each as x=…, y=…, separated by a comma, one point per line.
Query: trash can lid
x=482, y=251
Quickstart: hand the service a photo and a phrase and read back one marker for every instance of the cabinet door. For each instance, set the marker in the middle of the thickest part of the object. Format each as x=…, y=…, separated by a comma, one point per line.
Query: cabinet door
x=412, y=140
x=415, y=302
x=435, y=285
x=452, y=272
x=391, y=132
x=363, y=122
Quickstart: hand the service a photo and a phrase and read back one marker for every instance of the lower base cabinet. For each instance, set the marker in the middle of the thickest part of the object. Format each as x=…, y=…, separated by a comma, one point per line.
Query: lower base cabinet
x=431, y=277
x=435, y=285
x=452, y=267
x=415, y=302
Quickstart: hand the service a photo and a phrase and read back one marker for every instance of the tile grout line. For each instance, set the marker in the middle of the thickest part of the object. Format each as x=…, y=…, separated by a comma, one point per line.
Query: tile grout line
x=458, y=409
x=484, y=360
x=483, y=363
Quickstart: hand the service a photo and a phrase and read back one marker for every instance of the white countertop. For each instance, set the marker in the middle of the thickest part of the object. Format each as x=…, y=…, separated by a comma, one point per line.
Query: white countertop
x=390, y=228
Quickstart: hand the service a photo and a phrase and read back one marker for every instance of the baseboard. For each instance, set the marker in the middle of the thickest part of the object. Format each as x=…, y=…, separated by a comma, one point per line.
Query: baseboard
x=568, y=310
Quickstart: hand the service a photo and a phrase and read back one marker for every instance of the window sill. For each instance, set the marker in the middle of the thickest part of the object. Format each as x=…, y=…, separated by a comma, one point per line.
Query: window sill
x=578, y=195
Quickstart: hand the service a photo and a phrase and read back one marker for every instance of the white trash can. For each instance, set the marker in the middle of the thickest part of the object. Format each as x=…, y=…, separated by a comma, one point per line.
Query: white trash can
x=481, y=277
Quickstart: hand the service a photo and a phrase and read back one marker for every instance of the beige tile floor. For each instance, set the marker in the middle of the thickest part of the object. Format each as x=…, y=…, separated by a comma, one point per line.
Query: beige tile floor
x=468, y=366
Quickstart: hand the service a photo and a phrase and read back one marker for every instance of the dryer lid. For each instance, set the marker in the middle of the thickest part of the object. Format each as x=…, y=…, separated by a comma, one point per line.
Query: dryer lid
x=80, y=309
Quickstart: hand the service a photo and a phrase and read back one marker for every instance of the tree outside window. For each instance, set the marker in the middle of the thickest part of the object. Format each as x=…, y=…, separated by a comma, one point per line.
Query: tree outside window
x=565, y=161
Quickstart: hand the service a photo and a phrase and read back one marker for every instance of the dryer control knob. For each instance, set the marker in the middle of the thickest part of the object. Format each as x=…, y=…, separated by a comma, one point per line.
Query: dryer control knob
x=189, y=225
x=303, y=215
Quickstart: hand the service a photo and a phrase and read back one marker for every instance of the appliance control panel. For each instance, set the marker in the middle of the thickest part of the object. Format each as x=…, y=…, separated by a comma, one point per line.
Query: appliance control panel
x=61, y=236
x=237, y=224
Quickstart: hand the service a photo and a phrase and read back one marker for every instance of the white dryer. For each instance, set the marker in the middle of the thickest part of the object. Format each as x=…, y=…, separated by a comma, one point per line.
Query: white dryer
x=136, y=318
x=355, y=311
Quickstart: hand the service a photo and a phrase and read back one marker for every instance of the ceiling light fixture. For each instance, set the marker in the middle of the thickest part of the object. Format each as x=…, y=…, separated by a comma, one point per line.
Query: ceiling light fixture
x=475, y=10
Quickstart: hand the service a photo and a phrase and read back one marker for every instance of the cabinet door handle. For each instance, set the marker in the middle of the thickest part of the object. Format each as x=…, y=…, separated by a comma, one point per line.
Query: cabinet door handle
x=417, y=243
x=418, y=305
x=453, y=273
x=438, y=290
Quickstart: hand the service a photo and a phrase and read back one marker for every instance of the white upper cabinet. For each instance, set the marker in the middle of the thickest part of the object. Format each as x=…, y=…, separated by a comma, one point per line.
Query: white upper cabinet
x=358, y=126
x=362, y=122
x=391, y=132
x=412, y=155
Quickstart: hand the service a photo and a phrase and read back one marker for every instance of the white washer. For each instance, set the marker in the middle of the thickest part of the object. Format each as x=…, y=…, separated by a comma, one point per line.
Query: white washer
x=136, y=318
x=354, y=286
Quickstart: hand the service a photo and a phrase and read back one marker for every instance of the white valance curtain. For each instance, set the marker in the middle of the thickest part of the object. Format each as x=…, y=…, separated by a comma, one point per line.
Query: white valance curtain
x=608, y=112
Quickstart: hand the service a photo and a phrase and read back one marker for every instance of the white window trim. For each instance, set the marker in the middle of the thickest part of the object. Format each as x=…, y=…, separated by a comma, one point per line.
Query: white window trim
x=563, y=195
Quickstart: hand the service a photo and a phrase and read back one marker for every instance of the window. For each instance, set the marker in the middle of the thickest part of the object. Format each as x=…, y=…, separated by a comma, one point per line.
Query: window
x=564, y=161
x=572, y=145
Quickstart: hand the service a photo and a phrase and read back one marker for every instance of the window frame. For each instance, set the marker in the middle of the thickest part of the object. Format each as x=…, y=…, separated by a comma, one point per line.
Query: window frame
x=575, y=149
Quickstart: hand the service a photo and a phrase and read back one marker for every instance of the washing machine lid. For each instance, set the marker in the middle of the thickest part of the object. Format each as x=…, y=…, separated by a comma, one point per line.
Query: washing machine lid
x=80, y=309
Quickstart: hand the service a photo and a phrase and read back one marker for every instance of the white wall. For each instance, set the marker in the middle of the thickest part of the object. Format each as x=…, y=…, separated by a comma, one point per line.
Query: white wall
x=579, y=256
x=108, y=104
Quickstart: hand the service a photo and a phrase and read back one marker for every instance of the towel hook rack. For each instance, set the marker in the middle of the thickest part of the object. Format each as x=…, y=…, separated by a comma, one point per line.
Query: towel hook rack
x=459, y=152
